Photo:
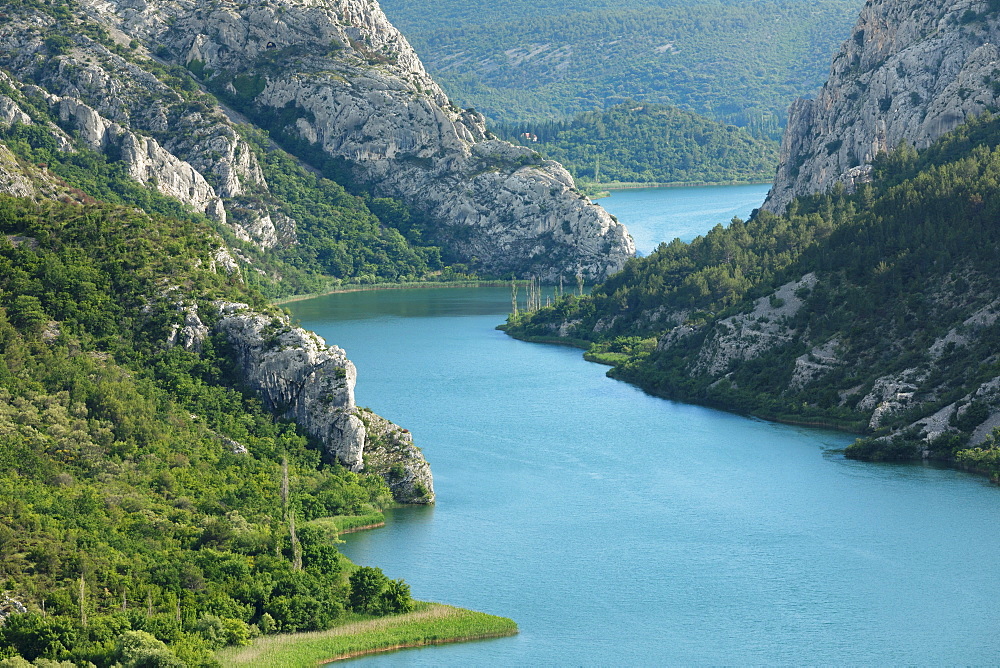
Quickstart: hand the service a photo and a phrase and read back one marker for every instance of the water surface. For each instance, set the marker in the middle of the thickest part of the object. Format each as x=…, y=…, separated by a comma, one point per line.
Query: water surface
x=622, y=529
x=653, y=215
x=618, y=528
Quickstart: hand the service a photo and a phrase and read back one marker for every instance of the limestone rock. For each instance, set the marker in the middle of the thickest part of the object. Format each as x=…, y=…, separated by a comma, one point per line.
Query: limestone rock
x=13, y=180
x=192, y=334
x=745, y=336
x=814, y=364
x=348, y=82
x=145, y=160
x=911, y=71
x=334, y=73
x=390, y=452
x=301, y=378
x=11, y=113
x=189, y=149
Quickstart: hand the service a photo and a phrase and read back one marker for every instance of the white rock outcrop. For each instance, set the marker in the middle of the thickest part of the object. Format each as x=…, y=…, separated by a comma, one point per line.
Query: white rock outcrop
x=144, y=159
x=745, y=336
x=333, y=73
x=911, y=71
x=348, y=82
x=298, y=377
x=301, y=378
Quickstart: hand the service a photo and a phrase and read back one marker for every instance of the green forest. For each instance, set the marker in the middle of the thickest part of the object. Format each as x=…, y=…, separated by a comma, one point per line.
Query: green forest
x=134, y=529
x=649, y=143
x=339, y=239
x=736, y=62
x=899, y=264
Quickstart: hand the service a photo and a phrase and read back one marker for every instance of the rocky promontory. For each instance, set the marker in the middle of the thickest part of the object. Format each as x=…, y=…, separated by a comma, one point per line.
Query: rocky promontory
x=337, y=84
x=301, y=378
x=338, y=76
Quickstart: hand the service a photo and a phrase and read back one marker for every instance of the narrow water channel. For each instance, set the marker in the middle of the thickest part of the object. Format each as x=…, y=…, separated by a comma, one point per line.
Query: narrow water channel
x=621, y=529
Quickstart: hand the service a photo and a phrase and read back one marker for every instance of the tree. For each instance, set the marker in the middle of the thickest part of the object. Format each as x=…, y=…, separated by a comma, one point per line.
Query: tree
x=27, y=314
x=366, y=585
x=138, y=649
x=375, y=594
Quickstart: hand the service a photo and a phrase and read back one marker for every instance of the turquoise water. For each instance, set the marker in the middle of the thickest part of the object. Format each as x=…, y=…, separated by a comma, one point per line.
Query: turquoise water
x=622, y=529
x=661, y=214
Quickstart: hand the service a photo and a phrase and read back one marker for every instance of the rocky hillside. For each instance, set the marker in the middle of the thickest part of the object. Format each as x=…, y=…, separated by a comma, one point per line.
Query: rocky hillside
x=874, y=311
x=153, y=507
x=336, y=84
x=301, y=378
x=909, y=72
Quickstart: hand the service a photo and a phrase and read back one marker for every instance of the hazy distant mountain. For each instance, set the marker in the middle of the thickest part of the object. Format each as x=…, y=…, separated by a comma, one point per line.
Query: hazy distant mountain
x=736, y=62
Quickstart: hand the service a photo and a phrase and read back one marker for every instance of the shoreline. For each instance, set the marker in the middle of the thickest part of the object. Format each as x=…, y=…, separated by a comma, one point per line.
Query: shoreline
x=601, y=188
x=429, y=624
x=376, y=287
x=584, y=345
x=365, y=527
x=427, y=643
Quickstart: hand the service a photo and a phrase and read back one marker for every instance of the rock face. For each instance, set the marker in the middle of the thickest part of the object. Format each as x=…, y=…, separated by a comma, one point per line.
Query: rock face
x=144, y=159
x=910, y=71
x=746, y=336
x=301, y=378
x=332, y=75
x=342, y=78
x=186, y=150
x=390, y=452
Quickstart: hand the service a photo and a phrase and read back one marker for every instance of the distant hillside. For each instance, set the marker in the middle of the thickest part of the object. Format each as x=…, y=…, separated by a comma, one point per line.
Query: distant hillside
x=736, y=62
x=649, y=143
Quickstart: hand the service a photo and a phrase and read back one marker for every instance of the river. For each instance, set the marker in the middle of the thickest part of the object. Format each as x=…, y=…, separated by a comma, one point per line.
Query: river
x=621, y=529
x=653, y=215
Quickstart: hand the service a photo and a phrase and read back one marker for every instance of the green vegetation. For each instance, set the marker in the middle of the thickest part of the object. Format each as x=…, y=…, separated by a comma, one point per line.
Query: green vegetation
x=899, y=265
x=618, y=350
x=649, y=143
x=140, y=491
x=736, y=62
x=340, y=238
x=984, y=458
x=338, y=235
x=428, y=624
x=334, y=526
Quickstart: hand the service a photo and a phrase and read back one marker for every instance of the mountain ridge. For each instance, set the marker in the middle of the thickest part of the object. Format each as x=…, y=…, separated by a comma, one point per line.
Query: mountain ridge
x=334, y=80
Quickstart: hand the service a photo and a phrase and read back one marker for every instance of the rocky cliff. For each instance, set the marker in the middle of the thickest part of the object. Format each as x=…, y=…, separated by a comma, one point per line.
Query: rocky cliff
x=910, y=71
x=333, y=77
x=343, y=79
x=301, y=378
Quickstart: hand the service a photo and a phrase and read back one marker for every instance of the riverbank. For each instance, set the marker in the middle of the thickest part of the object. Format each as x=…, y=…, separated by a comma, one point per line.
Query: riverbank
x=368, y=287
x=429, y=624
x=614, y=359
x=601, y=190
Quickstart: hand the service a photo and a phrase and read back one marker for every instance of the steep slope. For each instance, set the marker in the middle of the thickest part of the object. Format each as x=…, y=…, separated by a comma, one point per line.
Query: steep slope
x=875, y=311
x=335, y=82
x=910, y=72
x=151, y=508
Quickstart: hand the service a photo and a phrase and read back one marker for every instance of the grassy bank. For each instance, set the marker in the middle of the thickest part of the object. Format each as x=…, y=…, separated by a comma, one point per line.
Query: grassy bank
x=367, y=287
x=340, y=524
x=429, y=624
